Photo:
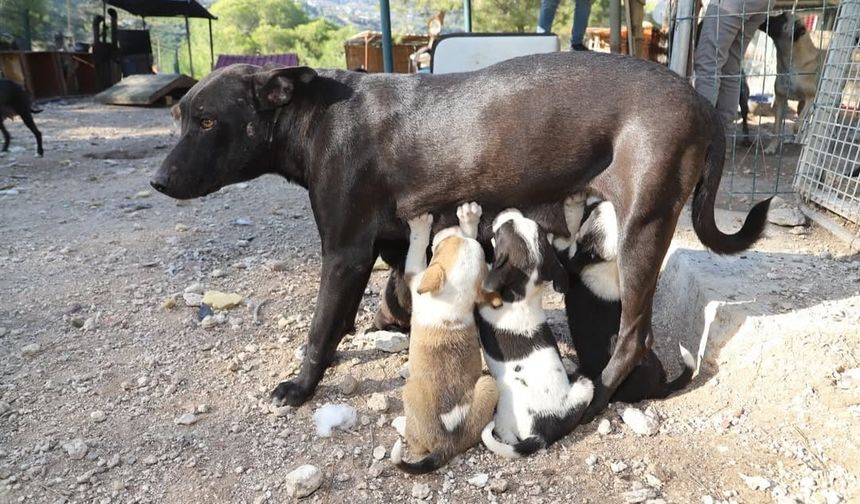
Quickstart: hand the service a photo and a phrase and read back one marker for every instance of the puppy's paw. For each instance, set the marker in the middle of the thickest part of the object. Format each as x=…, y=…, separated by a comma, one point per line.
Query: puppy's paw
x=469, y=213
x=289, y=394
x=421, y=225
x=560, y=243
x=575, y=198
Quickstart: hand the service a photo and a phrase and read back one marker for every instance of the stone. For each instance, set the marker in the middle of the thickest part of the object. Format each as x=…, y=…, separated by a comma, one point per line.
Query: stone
x=498, y=485
x=89, y=324
x=378, y=402
x=640, y=423
x=617, y=466
x=98, y=416
x=591, y=460
x=180, y=227
x=303, y=481
x=389, y=341
x=399, y=424
x=31, y=349
x=707, y=499
x=756, y=482
x=379, y=452
x=217, y=273
x=605, y=427
x=76, y=448
x=640, y=494
x=195, y=288
x=281, y=411
x=221, y=300
x=788, y=217
x=277, y=265
x=421, y=490
x=348, y=385
x=186, y=419
x=479, y=480
x=375, y=469
x=210, y=321
x=192, y=299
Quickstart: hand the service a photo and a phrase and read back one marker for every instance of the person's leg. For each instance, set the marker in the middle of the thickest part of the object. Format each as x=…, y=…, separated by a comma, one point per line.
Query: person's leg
x=546, y=15
x=731, y=81
x=581, y=13
x=718, y=32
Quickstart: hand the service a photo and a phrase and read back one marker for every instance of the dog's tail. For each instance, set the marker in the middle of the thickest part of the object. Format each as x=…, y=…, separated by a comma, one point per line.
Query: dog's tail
x=686, y=375
x=523, y=448
x=706, y=193
x=434, y=460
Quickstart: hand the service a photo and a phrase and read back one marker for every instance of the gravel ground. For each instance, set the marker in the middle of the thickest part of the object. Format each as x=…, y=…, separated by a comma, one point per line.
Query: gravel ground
x=112, y=391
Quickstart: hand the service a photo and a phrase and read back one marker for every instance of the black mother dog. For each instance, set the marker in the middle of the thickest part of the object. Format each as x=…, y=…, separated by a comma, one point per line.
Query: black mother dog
x=375, y=149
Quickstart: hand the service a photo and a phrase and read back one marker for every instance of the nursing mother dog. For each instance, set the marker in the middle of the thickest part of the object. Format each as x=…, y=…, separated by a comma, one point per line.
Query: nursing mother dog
x=374, y=150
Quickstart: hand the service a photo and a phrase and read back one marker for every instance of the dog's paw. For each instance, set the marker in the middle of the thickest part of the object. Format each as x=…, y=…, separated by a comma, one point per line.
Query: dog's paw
x=290, y=394
x=421, y=224
x=469, y=213
x=576, y=198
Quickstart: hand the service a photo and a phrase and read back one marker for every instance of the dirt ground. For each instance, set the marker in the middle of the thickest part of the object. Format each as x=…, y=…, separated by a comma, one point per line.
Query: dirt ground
x=97, y=375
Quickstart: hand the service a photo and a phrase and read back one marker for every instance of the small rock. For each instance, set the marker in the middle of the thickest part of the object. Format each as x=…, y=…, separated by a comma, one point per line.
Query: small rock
x=378, y=402
x=788, y=217
x=186, y=419
x=195, y=288
x=479, y=480
x=276, y=265
x=638, y=495
x=617, y=466
x=221, y=300
x=404, y=372
x=375, y=469
x=348, y=384
x=390, y=341
x=98, y=416
x=217, y=273
x=31, y=349
x=832, y=497
x=420, y=490
x=210, y=321
x=640, y=423
x=756, y=482
x=150, y=460
x=399, y=424
x=591, y=460
x=243, y=221
x=342, y=477
x=605, y=427
x=76, y=448
x=303, y=481
x=281, y=411
x=180, y=227
x=192, y=299
x=379, y=452
x=498, y=485
x=89, y=324
x=707, y=499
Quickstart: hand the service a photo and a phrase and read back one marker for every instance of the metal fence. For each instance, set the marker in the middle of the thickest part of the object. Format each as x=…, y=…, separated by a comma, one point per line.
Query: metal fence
x=828, y=173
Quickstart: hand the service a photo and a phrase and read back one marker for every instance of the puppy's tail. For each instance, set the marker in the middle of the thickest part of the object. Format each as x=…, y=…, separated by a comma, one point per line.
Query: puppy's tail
x=686, y=375
x=430, y=463
x=705, y=194
x=522, y=449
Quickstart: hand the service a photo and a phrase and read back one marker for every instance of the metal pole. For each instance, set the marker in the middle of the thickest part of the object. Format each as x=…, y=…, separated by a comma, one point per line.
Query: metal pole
x=681, y=39
x=188, y=37
x=467, y=15
x=387, y=50
x=615, y=26
x=211, y=48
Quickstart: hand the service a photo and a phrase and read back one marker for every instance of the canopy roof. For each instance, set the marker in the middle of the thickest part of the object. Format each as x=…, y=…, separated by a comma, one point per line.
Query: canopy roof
x=163, y=8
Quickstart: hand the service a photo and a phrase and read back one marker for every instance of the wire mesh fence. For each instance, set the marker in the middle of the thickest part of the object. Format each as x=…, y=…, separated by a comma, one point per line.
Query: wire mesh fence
x=781, y=46
x=828, y=173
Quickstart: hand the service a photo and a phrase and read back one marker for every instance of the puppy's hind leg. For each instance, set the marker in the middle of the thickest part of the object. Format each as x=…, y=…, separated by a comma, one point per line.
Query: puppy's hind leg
x=484, y=400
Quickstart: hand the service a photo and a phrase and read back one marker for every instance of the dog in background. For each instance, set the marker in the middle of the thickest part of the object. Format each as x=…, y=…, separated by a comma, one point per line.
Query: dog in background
x=798, y=62
x=446, y=399
x=593, y=302
x=538, y=403
x=15, y=101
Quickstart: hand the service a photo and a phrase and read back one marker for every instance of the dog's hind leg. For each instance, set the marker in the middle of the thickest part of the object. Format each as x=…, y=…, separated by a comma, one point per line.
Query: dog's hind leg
x=395, y=308
x=344, y=275
x=6, y=137
x=780, y=107
x=27, y=117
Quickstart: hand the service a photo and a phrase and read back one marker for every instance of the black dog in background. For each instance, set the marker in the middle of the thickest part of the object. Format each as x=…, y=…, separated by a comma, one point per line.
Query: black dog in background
x=14, y=100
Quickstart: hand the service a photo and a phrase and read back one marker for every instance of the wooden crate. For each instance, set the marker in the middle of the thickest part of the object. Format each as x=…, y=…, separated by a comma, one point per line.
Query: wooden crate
x=364, y=50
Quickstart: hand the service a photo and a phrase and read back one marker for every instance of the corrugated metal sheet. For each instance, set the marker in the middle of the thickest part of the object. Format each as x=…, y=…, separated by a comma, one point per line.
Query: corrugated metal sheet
x=288, y=59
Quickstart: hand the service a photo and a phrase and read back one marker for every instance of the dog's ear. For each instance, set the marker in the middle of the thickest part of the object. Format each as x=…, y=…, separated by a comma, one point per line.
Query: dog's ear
x=433, y=279
x=553, y=271
x=274, y=88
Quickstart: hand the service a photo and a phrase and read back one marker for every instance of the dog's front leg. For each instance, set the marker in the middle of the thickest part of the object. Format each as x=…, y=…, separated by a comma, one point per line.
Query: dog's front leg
x=345, y=272
x=780, y=105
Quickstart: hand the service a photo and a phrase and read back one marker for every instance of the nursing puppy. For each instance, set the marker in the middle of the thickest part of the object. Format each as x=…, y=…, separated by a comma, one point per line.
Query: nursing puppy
x=446, y=400
x=593, y=303
x=538, y=402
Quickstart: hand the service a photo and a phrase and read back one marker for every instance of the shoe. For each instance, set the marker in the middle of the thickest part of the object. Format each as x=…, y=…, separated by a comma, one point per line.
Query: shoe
x=578, y=47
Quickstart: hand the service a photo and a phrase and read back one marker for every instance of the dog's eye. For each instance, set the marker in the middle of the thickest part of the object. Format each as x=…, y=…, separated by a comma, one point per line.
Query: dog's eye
x=207, y=123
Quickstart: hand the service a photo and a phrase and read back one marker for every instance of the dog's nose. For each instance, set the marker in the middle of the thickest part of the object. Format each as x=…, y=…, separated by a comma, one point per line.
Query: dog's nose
x=157, y=185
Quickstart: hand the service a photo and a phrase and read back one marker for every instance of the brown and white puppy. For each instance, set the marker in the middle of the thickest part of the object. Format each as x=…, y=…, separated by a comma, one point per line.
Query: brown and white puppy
x=538, y=402
x=446, y=400
x=593, y=303
x=798, y=62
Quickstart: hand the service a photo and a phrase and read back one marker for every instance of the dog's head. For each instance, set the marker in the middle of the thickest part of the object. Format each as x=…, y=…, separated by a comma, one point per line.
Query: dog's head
x=524, y=259
x=783, y=27
x=227, y=121
x=456, y=269
x=597, y=239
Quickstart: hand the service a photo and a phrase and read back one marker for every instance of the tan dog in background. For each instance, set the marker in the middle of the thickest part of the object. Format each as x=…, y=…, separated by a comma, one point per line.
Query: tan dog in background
x=798, y=62
x=446, y=400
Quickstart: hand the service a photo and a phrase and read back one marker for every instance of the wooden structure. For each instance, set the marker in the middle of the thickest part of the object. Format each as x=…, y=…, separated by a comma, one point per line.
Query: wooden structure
x=50, y=74
x=364, y=51
x=145, y=89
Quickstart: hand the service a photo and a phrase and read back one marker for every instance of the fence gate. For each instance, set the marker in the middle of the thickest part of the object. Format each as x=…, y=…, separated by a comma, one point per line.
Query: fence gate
x=828, y=172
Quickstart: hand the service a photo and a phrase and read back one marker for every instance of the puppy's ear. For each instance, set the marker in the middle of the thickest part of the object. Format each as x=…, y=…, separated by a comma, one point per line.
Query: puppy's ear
x=433, y=279
x=551, y=269
x=274, y=88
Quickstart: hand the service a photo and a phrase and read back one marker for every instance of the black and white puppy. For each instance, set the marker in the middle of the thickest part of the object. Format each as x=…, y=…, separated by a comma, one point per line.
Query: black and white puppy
x=538, y=402
x=593, y=303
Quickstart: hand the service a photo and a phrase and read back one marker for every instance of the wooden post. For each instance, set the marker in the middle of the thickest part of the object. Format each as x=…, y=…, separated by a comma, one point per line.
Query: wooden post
x=188, y=37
